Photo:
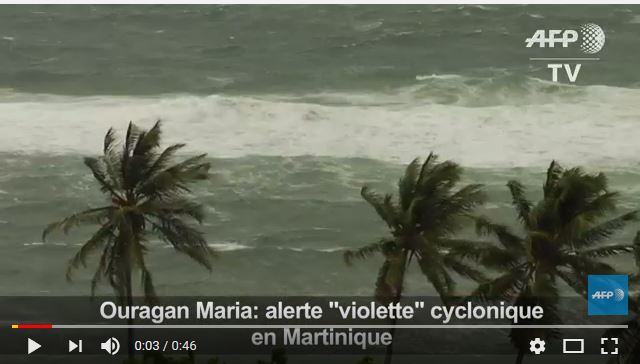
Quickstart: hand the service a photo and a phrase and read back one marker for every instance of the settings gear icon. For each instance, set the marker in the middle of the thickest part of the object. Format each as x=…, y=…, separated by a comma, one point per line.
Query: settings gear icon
x=537, y=346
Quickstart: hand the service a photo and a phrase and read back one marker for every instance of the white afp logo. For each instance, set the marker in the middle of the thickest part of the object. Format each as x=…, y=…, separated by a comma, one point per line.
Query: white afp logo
x=617, y=295
x=592, y=38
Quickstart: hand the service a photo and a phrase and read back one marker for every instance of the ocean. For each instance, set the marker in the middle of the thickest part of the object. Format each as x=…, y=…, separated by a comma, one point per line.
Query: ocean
x=297, y=108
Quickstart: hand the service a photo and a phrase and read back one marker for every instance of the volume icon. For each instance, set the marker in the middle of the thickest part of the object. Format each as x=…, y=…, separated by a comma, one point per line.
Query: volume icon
x=111, y=346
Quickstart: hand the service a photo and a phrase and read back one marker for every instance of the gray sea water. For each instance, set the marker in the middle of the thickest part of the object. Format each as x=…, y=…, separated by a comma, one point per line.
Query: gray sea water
x=298, y=107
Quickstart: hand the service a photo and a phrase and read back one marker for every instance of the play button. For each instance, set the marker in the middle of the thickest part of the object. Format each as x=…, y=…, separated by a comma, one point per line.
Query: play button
x=32, y=346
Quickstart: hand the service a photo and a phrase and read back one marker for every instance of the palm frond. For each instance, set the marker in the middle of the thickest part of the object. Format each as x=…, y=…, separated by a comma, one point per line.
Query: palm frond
x=506, y=238
x=100, y=173
x=554, y=172
x=102, y=236
x=389, y=281
x=607, y=251
x=382, y=205
x=147, y=286
x=439, y=179
x=184, y=239
x=463, y=269
x=109, y=141
x=577, y=282
x=367, y=250
x=544, y=286
x=463, y=201
x=432, y=265
x=174, y=206
x=148, y=140
x=407, y=184
x=431, y=159
x=175, y=179
x=163, y=160
x=127, y=149
x=505, y=286
x=484, y=253
x=90, y=216
x=636, y=247
x=587, y=265
x=104, y=268
x=519, y=201
x=604, y=230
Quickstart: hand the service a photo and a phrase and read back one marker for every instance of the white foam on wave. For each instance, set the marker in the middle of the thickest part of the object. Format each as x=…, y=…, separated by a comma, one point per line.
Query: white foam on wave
x=318, y=250
x=220, y=246
x=594, y=125
x=228, y=246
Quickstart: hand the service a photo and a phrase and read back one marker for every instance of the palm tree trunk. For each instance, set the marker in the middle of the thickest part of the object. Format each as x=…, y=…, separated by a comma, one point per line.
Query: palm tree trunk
x=129, y=297
x=520, y=356
x=389, y=351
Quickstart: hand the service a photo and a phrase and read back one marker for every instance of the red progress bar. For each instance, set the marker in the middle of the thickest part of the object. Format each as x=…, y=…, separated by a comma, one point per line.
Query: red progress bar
x=32, y=326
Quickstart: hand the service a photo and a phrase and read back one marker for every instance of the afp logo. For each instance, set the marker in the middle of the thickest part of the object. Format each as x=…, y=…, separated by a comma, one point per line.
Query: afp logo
x=617, y=295
x=590, y=35
x=608, y=295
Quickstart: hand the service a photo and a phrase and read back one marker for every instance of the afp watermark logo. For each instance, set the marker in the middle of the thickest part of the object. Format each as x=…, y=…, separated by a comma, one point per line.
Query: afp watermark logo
x=593, y=38
x=608, y=295
x=590, y=35
x=589, y=38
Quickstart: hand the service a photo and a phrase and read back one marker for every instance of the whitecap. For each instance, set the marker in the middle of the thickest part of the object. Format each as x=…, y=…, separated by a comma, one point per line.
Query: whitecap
x=496, y=126
x=365, y=27
x=332, y=250
x=634, y=20
x=437, y=77
x=228, y=246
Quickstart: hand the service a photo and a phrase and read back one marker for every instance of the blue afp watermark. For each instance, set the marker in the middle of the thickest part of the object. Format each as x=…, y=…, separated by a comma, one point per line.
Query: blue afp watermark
x=608, y=295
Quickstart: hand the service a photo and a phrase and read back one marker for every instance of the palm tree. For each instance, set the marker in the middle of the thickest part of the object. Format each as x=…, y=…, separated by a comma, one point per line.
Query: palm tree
x=146, y=197
x=422, y=223
x=629, y=338
x=562, y=240
x=628, y=342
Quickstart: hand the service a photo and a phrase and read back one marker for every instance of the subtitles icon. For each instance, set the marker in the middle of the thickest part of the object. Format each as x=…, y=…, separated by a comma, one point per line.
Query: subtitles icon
x=111, y=346
x=573, y=346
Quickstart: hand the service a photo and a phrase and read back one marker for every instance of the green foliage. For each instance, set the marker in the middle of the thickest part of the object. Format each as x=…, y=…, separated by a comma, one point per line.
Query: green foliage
x=147, y=197
x=564, y=239
x=423, y=219
x=628, y=342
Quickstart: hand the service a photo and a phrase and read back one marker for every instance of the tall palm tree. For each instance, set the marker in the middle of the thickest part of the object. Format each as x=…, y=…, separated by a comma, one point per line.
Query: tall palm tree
x=629, y=338
x=146, y=197
x=563, y=240
x=422, y=224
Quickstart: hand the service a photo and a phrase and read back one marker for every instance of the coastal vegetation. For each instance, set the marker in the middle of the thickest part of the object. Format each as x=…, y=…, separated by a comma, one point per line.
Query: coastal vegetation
x=147, y=197
x=429, y=210
x=562, y=238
